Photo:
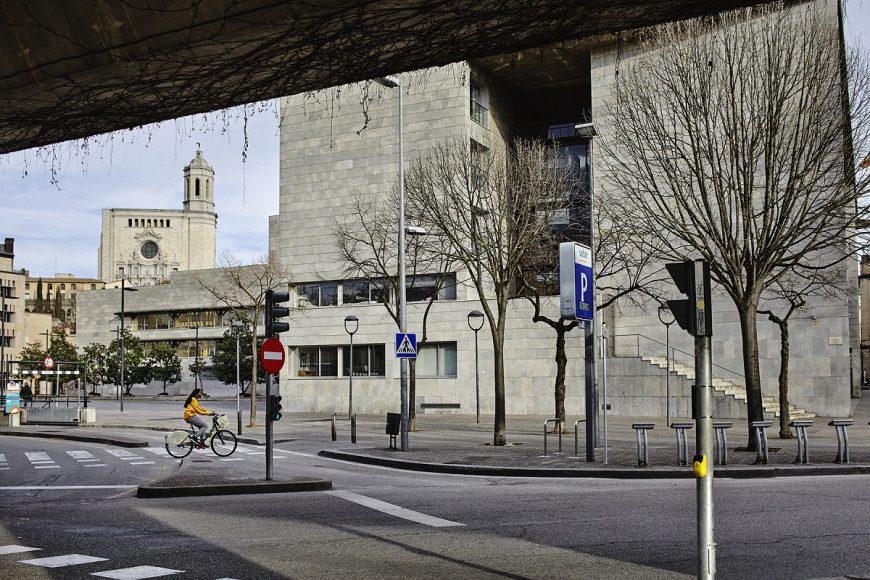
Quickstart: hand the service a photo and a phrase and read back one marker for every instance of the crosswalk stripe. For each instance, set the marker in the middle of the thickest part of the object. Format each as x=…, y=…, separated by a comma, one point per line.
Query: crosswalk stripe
x=232, y=459
x=141, y=463
x=95, y=465
x=393, y=510
x=120, y=453
x=62, y=561
x=137, y=573
x=2, y=458
x=46, y=467
x=16, y=549
x=81, y=455
x=37, y=456
x=157, y=451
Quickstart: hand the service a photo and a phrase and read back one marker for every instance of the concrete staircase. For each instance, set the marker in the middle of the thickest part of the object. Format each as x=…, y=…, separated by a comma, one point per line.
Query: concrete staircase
x=729, y=388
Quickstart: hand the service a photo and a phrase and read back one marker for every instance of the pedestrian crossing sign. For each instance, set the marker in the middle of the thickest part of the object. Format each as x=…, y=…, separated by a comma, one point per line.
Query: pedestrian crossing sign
x=406, y=345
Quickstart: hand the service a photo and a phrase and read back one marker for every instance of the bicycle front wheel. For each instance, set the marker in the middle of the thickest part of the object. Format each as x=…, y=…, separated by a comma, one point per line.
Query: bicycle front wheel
x=179, y=444
x=223, y=443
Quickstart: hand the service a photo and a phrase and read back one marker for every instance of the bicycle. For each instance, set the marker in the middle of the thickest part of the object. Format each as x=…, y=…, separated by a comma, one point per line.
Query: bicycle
x=223, y=443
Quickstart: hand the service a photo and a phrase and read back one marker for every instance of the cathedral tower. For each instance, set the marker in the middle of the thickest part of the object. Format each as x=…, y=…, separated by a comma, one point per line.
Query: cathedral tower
x=199, y=185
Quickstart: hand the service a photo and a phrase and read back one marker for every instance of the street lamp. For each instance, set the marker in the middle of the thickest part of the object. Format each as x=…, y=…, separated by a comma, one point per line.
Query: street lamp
x=393, y=82
x=238, y=324
x=121, y=337
x=351, y=325
x=667, y=318
x=475, y=323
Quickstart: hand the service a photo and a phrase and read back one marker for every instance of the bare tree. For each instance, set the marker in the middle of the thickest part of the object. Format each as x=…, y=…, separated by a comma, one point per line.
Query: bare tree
x=792, y=291
x=242, y=289
x=484, y=205
x=730, y=140
x=622, y=272
x=368, y=243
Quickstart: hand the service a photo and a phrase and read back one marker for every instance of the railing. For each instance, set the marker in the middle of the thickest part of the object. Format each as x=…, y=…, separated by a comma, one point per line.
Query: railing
x=479, y=114
x=638, y=345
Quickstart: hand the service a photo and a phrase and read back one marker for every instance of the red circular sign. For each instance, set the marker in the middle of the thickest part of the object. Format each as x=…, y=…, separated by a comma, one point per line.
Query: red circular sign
x=272, y=355
x=48, y=362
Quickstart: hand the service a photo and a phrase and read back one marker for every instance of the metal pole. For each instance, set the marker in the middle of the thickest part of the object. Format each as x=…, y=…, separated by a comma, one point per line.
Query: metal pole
x=196, y=357
x=238, y=389
x=604, y=383
x=403, y=316
x=704, y=447
x=477, y=376
x=350, y=380
x=3, y=366
x=268, y=428
x=121, y=339
x=591, y=403
x=668, y=374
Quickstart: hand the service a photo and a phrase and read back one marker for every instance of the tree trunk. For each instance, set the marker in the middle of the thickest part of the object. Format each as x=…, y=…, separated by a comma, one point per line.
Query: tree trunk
x=784, y=417
x=499, y=432
x=412, y=394
x=749, y=329
x=253, y=421
x=561, y=364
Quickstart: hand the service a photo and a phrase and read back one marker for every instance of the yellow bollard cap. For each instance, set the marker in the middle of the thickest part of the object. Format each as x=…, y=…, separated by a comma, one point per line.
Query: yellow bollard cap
x=699, y=466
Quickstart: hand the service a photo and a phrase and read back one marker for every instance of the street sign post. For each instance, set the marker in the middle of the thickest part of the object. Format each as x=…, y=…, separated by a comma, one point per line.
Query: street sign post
x=406, y=345
x=272, y=355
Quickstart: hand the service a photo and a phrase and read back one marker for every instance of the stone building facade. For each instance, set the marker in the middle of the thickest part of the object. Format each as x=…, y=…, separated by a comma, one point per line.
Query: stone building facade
x=146, y=245
x=333, y=151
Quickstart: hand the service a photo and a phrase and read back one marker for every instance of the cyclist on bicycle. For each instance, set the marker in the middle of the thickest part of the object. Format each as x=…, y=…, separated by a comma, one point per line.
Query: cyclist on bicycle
x=192, y=412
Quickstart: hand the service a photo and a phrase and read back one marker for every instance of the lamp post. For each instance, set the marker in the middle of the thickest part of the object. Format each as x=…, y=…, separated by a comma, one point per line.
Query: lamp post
x=3, y=336
x=394, y=83
x=667, y=318
x=238, y=324
x=121, y=337
x=351, y=325
x=475, y=323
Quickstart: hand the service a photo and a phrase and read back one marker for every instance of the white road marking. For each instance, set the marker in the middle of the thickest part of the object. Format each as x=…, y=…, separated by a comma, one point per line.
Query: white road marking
x=46, y=467
x=37, y=456
x=4, y=469
x=137, y=573
x=2, y=458
x=393, y=510
x=81, y=455
x=63, y=487
x=121, y=453
x=232, y=459
x=157, y=451
x=95, y=465
x=16, y=549
x=61, y=561
x=141, y=462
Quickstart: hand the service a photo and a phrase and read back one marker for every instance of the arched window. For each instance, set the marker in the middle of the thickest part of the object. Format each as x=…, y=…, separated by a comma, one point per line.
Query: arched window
x=197, y=187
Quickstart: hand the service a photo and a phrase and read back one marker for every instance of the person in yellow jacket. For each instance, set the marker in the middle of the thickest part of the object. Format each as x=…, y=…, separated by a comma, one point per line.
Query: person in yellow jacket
x=192, y=414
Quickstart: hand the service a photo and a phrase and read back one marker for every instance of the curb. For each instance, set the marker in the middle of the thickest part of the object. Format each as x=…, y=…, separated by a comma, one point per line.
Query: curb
x=749, y=472
x=150, y=491
x=105, y=440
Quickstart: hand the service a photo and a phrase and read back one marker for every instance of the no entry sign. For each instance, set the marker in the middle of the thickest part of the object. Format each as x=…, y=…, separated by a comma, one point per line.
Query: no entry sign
x=272, y=355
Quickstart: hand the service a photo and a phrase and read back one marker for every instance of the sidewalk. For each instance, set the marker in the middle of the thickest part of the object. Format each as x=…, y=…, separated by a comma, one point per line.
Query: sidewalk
x=450, y=443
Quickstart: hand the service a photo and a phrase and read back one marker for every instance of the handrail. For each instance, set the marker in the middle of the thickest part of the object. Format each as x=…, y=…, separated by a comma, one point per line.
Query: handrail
x=673, y=350
x=558, y=423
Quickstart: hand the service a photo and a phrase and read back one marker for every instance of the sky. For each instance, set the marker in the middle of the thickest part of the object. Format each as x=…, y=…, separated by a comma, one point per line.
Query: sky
x=52, y=199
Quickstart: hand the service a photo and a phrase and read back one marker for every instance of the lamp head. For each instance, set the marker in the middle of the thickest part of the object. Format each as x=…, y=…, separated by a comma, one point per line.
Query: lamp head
x=475, y=320
x=351, y=324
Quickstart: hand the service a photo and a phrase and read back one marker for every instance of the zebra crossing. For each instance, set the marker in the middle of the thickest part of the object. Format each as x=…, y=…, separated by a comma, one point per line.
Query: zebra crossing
x=112, y=457
x=61, y=561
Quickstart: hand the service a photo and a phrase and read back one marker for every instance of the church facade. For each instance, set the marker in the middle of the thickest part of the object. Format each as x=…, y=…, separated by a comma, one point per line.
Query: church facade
x=145, y=245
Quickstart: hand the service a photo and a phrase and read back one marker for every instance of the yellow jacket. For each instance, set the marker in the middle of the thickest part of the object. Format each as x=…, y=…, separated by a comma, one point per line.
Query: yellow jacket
x=194, y=408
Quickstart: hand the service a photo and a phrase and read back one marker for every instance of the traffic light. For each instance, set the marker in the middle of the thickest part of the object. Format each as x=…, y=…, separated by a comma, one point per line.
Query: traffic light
x=275, y=311
x=695, y=313
x=274, y=410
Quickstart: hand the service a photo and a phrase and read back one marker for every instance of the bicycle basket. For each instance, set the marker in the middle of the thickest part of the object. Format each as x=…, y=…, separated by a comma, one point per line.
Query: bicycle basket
x=222, y=421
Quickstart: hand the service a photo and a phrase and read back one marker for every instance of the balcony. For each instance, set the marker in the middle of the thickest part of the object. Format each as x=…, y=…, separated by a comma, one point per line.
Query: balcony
x=479, y=114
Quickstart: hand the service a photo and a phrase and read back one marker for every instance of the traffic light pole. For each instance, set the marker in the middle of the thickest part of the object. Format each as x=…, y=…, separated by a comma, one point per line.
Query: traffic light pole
x=268, y=427
x=703, y=397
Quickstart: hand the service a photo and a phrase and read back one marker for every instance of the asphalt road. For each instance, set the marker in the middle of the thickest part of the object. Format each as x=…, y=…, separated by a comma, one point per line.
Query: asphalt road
x=383, y=523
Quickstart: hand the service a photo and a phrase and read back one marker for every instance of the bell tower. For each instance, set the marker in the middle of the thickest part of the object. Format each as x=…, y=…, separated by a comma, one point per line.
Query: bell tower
x=199, y=185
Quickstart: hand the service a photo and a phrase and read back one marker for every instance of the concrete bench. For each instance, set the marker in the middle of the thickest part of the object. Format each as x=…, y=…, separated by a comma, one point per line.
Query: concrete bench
x=682, y=441
x=720, y=431
x=800, y=427
x=640, y=430
x=760, y=428
x=842, y=439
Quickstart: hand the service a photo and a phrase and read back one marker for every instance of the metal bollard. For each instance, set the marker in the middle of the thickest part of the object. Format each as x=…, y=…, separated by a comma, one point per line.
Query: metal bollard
x=334, y=434
x=577, y=438
x=353, y=428
x=558, y=423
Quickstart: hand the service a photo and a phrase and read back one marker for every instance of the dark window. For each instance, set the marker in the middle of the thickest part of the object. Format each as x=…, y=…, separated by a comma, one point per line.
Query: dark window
x=197, y=188
x=318, y=361
x=423, y=287
x=362, y=291
x=437, y=360
x=318, y=294
x=129, y=225
x=368, y=360
x=478, y=111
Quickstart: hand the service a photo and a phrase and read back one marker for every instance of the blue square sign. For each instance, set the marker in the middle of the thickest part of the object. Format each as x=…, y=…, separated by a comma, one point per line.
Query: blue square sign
x=406, y=345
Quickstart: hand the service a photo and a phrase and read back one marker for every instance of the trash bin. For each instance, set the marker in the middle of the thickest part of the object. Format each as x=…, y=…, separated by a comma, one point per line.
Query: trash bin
x=394, y=423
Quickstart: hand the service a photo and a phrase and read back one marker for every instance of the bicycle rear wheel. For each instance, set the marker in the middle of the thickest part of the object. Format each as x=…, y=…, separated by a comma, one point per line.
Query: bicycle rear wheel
x=179, y=444
x=223, y=443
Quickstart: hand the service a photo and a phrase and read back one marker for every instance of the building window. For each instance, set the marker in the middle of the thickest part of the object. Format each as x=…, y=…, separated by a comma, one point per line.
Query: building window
x=423, y=287
x=149, y=250
x=478, y=110
x=73, y=286
x=368, y=360
x=436, y=360
x=167, y=223
x=318, y=294
x=153, y=321
x=93, y=286
x=362, y=292
x=202, y=319
x=63, y=286
x=318, y=361
x=197, y=188
x=130, y=223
